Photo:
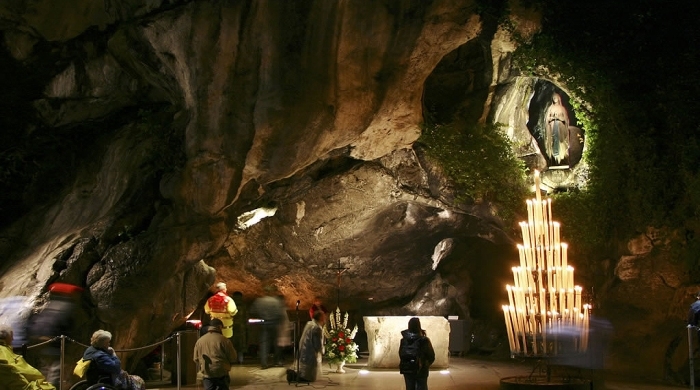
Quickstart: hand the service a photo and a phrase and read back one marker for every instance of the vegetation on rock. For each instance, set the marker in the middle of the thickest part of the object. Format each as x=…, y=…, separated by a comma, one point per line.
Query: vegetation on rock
x=480, y=161
x=631, y=70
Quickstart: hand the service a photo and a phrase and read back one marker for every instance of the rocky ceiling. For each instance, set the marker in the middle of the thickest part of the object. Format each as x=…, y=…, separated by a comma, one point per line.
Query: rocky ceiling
x=173, y=120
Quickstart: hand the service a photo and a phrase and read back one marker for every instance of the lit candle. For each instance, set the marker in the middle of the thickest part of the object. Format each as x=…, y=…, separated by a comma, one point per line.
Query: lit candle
x=534, y=334
x=531, y=300
x=586, y=319
x=564, y=260
x=513, y=318
x=533, y=291
x=582, y=347
x=570, y=274
x=545, y=222
x=562, y=302
x=552, y=299
x=577, y=296
x=526, y=234
x=557, y=278
x=521, y=319
x=537, y=208
x=510, y=294
x=521, y=253
x=565, y=278
x=509, y=327
x=542, y=297
x=543, y=329
x=519, y=298
x=551, y=259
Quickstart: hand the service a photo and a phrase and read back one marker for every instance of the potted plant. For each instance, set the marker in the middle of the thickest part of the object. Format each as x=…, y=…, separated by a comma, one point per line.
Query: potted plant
x=340, y=347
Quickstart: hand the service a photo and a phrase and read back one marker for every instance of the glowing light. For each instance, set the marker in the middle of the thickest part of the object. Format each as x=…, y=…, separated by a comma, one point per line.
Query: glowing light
x=545, y=312
x=252, y=217
x=196, y=324
x=442, y=249
x=363, y=372
x=445, y=372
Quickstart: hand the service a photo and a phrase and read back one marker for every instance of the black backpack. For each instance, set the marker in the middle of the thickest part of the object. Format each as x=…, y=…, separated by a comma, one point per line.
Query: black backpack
x=410, y=356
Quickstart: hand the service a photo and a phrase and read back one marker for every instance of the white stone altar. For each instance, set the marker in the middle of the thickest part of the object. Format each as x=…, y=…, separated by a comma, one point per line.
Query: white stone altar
x=384, y=338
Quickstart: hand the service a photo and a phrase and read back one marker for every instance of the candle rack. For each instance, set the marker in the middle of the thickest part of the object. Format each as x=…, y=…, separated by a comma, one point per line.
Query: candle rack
x=545, y=315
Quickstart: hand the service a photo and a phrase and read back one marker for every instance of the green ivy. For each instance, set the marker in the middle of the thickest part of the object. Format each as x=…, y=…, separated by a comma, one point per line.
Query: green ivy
x=480, y=161
x=634, y=104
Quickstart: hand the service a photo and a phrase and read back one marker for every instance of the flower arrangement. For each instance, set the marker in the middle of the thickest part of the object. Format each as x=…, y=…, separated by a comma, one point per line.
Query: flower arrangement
x=339, y=345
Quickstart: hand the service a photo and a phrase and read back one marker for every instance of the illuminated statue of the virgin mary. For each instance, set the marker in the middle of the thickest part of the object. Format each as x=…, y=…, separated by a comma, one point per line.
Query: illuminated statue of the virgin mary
x=556, y=138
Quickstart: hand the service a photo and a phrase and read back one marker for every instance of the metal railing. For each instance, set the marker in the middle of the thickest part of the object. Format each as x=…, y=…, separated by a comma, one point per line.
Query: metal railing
x=62, y=377
x=691, y=329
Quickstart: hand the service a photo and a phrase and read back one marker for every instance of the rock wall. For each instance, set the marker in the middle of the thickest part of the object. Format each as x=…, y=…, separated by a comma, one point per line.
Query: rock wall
x=184, y=116
x=167, y=122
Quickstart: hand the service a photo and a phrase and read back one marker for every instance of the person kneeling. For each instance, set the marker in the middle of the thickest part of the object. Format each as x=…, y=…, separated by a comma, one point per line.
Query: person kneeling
x=214, y=354
x=311, y=348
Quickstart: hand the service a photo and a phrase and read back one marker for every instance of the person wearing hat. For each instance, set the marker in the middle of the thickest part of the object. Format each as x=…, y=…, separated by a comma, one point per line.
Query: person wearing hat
x=214, y=354
x=222, y=307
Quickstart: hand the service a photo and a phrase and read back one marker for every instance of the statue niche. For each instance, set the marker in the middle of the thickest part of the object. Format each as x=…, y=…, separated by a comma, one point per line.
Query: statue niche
x=553, y=124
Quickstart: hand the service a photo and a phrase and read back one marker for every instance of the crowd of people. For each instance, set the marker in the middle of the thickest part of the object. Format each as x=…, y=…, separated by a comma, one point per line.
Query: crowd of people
x=222, y=344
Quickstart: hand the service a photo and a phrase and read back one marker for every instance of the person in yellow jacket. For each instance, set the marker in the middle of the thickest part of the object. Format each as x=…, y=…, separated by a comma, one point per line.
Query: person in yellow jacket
x=223, y=307
x=15, y=372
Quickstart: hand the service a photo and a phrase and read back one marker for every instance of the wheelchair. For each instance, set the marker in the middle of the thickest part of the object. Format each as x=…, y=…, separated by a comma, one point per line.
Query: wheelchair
x=102, y=384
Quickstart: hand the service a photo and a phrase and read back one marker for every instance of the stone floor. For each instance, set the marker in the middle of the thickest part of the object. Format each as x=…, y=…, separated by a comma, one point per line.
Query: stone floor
x=463, y=373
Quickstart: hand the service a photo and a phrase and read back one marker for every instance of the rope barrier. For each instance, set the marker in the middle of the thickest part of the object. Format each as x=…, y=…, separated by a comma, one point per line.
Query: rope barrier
x=86, y=346
x=43, y=342
x=63, y=338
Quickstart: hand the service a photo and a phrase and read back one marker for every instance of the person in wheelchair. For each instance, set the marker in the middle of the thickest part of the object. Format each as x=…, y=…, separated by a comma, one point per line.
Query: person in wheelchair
x=105, y=366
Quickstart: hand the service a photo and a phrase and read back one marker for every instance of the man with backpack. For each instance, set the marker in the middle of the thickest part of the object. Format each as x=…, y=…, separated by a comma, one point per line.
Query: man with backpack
x=222, y=307
x=416, y=354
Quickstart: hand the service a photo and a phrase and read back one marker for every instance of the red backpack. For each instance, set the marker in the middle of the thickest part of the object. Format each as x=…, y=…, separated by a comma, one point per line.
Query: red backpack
x=219, y=303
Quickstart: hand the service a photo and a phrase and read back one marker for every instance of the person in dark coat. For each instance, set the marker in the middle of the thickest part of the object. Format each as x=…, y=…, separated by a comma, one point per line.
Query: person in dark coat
x=415, y=340
x=214, y=354
x=105, y=363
